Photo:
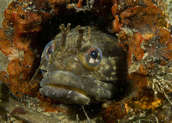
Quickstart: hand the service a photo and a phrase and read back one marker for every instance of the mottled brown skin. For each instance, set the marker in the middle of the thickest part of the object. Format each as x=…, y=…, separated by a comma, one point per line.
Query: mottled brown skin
x=71, y=74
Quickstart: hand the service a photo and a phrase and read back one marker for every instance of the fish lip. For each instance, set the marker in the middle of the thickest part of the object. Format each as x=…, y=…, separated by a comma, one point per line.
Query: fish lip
x=48, y=76
x=91, y=88
x=65, y=95
x=62, y=93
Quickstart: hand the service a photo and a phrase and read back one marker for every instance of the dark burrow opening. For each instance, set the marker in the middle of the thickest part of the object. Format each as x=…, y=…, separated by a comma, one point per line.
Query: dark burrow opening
x=51, y=28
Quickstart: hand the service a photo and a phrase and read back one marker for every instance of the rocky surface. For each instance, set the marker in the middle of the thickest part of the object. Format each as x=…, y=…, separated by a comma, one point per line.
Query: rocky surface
x=28, y=110
x=4, y=4
x=142, y=29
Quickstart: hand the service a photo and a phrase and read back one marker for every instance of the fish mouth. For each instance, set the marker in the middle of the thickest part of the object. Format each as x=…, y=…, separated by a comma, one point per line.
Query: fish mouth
x=65, y=95
x=65, y=86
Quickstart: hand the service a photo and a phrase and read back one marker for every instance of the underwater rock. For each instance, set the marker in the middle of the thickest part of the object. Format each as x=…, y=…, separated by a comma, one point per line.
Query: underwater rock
x=3, y=62
x=22, y=24
x=146, y=38
x=3, y=6
x=142, y=28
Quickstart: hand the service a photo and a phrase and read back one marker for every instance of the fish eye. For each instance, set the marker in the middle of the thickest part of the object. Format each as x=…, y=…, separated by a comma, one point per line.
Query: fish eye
x=49, y=48
x=93, y=56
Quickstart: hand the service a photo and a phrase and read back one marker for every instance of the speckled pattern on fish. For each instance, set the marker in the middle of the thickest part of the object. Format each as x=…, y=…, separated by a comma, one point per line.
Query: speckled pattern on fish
x=78, y=67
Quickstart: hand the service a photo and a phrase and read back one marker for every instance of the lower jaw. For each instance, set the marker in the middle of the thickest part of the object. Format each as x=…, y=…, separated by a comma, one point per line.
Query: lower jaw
x=65, y=94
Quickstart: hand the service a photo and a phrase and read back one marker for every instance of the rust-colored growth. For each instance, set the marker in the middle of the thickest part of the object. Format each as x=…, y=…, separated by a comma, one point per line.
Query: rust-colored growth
x=127, y=13
x=145, y=100
x=19, y=74
x=135, y=46
x=139, y=14
x=123, y=110
x=142, y=70
x=150, y=23
x=20, y=88
x=20, y=63
x=22, y=42
x=148, y=16
x=27, y=22
x=23, y=25
x=146, y=104
x=17, y=81
x=79, y=4
x=115, y=111
x=169, y=49
x=4, y=77
x=116, y=24
x=123, y=40
x=59, y=2
x=114, y=9
x=166, y=39
x=23, y=21
x=163, y=34
x=169, y=44
x=14, y=68
x=24, y=18
x=19, y=67
x=41, y=4
x=139, y=82
x=141, y=74
x=47, y=105
x=3, y=35
x=5, y=46
x=28, y=60
x=5, y=42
